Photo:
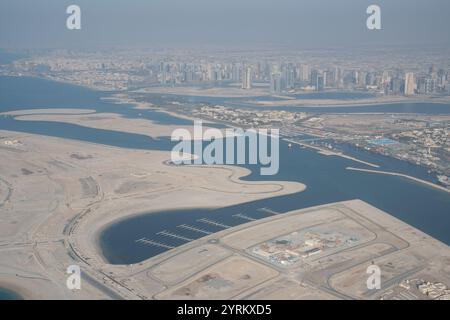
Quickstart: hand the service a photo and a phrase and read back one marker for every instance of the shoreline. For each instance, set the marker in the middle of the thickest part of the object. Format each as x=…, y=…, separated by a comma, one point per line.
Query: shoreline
x=401, y=175
x=165, y=266
x=345, y=103
x=326, y=152
x=97, y=233
x=114, y=189
x=311, y=103
x=236, y=175
x=18, y=293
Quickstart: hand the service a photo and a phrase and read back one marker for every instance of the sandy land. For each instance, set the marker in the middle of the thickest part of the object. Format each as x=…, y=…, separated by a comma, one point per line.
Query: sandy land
x=56, y=195
x=229, y=92
x=347, y=102
x=106, y=121
x=123, y=98
x=56, y=111
x=225, y=265
x=109, y=121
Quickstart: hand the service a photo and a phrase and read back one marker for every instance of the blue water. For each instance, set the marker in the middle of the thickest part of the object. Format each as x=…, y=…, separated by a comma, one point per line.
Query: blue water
x=8, y=295
x=7, y=57
x=327, y=180
x=18, y=93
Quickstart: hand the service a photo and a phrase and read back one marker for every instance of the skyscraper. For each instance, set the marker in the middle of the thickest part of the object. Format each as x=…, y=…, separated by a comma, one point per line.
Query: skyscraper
x=275, y=83
x=236, y=72
x=410, y=84
x=247, y=78
x=304, y=73
x=288, y=77
x=313, y=78
x=320, y=82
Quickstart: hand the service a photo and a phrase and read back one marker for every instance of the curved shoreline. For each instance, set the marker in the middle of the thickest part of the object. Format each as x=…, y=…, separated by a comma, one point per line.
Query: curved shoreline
x=89, y=225
x=95, y=239
x=11, y=292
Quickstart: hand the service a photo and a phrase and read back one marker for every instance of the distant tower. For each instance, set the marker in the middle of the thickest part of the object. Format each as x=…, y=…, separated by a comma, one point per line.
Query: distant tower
x=247, y=78
x=304, y=73
x=275, y=83
x=319, y=82
x=410, y=84
x=236, y=72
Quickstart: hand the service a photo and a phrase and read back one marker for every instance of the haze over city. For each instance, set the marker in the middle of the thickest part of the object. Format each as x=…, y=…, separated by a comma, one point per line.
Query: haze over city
x=233, y=23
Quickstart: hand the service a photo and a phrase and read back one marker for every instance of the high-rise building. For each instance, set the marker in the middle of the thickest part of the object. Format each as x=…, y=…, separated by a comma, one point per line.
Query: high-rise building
x=430, y=85
x=288, y=77
x=313, y=79
x=396, y=85
x=275, y=83
x=236, y=72
x=304, y=73
x=361, y=81
x=329, y=78
x=410, y=84
x=320, y=83
x=338, y=77
x=247, y=78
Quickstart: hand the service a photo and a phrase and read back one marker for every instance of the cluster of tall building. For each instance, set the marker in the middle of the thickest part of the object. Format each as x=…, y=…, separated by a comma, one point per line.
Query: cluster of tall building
x=417, y=83
x=303, y=76
x=286, y=77
x=281, y=75
x=175, y=73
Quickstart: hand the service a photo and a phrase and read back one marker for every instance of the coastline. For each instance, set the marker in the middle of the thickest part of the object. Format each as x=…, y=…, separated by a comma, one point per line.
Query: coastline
x=323, y=103
x=326, y=103
x=91, y=226
x=18, y=291
x=99, y=185
x=161, y=274
x=403, y=176
x=326, y=152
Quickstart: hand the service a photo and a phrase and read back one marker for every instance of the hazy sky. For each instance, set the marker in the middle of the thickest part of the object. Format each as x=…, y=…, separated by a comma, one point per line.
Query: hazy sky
x=179, y=23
